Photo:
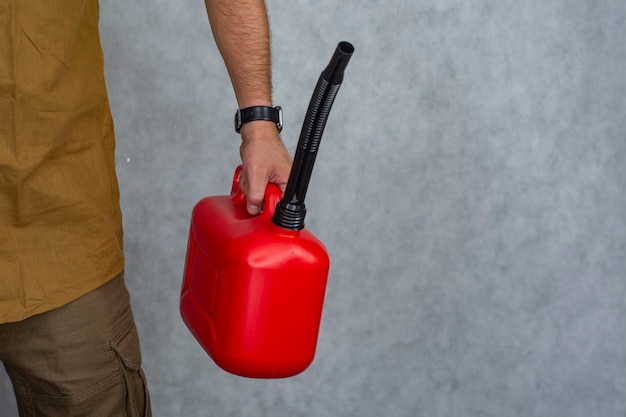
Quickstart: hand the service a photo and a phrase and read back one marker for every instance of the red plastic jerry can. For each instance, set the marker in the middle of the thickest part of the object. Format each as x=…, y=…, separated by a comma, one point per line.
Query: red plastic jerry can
x=253, y=287
x=253, y=292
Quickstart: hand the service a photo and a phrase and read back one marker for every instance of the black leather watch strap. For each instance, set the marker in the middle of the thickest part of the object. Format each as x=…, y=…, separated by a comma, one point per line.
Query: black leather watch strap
x=249, y=114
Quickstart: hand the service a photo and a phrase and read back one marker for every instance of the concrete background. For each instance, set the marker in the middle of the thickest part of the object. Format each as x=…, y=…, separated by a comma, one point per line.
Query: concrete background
x=470, y=188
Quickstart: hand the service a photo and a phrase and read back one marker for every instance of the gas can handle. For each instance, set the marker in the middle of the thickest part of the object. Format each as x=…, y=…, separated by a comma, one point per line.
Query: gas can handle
x=272, y=194
x=272, y=197
x=235, y=187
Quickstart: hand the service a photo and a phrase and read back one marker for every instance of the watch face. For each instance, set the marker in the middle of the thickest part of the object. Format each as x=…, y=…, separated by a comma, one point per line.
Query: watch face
x=238, y=121
x=279, y=123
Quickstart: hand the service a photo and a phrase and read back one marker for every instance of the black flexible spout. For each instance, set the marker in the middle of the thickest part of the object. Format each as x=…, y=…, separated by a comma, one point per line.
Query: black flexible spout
x=290, y=211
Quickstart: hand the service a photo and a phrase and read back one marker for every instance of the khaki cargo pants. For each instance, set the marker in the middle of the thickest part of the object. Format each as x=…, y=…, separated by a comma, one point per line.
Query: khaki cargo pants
x=82, y=359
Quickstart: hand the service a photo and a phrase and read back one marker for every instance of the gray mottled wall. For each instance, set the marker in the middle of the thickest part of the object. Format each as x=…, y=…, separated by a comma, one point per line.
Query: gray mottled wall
x=470, y=188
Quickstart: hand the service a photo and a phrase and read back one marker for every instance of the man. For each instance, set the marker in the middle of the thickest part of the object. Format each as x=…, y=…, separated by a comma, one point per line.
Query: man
x=68, y=339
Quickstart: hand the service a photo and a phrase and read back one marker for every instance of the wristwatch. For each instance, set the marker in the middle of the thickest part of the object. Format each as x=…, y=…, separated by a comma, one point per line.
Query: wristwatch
x=249, y=114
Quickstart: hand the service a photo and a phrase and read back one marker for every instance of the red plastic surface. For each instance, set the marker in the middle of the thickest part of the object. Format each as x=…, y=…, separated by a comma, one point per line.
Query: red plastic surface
x=252, y=292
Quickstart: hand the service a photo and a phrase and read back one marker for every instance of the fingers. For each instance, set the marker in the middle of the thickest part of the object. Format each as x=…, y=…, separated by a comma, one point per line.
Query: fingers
x=264, y=159
x=253, y=187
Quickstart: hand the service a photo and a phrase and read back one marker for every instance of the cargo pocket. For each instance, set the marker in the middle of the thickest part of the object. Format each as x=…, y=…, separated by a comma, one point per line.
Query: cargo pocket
x=126, y=348
x=105, y=393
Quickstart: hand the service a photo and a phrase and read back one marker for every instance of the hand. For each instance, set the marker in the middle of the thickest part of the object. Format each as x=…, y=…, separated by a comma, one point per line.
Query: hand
x=264, y=159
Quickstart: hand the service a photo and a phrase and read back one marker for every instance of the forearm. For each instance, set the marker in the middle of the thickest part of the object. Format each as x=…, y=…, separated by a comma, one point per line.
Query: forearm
x=241, y=32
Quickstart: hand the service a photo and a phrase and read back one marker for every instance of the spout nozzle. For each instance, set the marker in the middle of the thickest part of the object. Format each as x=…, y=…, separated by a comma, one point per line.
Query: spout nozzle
x=333, y=73
x=290, y=211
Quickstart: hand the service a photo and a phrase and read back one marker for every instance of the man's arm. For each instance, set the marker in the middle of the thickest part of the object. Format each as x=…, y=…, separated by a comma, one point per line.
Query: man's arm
x=241, y=31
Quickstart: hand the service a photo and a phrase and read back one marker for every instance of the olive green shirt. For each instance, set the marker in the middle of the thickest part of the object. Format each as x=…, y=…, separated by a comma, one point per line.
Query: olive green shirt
x=60, y=221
